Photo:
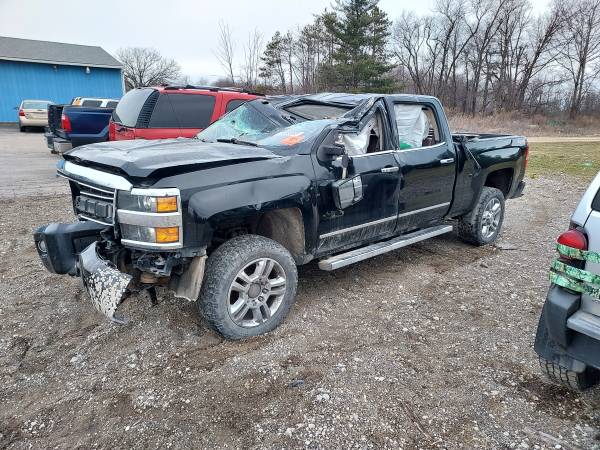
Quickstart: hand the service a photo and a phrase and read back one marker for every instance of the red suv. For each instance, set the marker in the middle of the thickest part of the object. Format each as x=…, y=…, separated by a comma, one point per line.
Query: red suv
x=171, y=111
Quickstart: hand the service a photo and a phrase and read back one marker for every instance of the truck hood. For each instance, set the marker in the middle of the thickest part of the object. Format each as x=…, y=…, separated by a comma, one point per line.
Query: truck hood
x=141, y=158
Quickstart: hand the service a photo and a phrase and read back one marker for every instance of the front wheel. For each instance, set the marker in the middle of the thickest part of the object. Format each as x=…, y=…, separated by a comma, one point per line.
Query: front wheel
x=483, y=224
x=249, y=287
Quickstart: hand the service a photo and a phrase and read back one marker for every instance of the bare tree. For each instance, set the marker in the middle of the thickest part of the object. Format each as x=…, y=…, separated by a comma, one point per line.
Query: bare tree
x=411, y=37
x=580, y=48
x=225, y=50
x=146, y=67
x=252, y=52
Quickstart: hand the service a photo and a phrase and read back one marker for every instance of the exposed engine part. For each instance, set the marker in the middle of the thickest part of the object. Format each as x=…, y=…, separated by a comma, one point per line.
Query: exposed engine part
x=155, y=263
x=148, y=278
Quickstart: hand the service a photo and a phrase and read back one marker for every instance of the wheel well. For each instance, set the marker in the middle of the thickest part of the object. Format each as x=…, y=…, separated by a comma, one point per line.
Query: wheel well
x=500, y=179
x=284, y=226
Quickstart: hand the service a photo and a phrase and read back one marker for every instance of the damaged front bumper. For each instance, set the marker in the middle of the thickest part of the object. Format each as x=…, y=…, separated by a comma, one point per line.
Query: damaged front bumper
x=78, y=249
x=105, y=285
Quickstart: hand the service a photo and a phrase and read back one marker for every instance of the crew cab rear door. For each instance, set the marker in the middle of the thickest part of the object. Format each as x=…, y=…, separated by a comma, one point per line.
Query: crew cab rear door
x=427, y=160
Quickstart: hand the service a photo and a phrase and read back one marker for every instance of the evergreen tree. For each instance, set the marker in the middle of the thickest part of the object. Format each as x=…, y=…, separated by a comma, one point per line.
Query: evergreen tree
x=360, y=59
x=272, y=67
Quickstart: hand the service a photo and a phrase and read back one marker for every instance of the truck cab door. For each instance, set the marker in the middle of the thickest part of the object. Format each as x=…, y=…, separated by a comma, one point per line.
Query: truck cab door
x=373, y=173
x=427, y=160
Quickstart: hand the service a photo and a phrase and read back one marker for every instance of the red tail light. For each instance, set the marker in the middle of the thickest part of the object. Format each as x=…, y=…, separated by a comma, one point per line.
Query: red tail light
x=65, y=123
x=574, y=239
x=526, y=154
x=21, y=113
x=111, y=130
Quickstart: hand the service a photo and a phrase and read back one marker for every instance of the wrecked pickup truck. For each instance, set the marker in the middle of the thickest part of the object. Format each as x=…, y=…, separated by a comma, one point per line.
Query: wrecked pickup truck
x=223, y=219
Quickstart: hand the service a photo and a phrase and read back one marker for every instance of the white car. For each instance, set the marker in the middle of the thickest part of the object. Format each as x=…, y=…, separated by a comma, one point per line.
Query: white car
x=33, y=113
x=568, y=336
x=95, y=102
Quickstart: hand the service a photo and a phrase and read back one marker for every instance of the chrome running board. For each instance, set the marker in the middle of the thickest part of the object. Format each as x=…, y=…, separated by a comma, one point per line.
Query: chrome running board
x=360, y=254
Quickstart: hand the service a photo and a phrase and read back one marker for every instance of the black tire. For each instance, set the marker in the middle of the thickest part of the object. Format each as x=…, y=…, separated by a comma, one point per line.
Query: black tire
x=470, y=226
x=577, y=381
x=22, y=129
x=221, y=269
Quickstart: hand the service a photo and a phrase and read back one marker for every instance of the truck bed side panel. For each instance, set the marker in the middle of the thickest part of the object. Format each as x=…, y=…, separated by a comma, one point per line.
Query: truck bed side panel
x=478, y=159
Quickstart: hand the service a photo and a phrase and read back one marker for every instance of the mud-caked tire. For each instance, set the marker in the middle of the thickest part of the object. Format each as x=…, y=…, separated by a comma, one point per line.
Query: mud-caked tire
x=249, y=287
x=482, y=225
x=577, y=381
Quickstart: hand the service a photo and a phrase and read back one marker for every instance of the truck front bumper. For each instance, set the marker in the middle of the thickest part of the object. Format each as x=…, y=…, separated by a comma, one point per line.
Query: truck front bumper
x=73, y=249
x=105, y=285
x=560, y=337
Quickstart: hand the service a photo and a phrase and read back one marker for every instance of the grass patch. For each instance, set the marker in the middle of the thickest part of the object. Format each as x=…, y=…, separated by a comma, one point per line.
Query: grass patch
x=579, y=159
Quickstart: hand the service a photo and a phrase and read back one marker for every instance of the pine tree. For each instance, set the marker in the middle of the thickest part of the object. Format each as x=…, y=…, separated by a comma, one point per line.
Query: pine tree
x=360, y=60
x=273, y=60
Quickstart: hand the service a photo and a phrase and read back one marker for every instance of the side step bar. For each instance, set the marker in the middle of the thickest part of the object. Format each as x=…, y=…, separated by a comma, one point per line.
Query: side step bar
x=360, y=254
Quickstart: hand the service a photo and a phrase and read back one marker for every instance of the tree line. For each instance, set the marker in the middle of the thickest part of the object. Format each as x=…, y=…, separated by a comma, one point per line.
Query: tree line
x=477, y=56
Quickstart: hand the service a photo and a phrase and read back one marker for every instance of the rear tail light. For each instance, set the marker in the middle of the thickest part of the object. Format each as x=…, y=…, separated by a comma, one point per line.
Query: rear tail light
x=21, y=113
x=111, y=130
x=65, y=123
x=574, y=239
x=526, y=154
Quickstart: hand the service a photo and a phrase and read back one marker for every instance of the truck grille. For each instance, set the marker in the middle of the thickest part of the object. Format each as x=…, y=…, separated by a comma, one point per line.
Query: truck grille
x=93, y=203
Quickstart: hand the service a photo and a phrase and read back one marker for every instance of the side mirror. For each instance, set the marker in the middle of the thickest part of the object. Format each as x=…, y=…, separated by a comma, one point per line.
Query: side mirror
x=347, y=192
x=331, y=152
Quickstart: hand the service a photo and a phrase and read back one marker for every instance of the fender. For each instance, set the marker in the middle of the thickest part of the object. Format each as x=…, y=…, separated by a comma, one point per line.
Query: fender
x=250, y=197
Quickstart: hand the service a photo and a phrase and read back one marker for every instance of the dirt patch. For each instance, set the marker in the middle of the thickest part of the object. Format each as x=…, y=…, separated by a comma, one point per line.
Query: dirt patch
x=426, y=347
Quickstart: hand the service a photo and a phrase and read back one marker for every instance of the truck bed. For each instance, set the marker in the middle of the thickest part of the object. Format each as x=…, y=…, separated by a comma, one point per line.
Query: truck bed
x=88, y=125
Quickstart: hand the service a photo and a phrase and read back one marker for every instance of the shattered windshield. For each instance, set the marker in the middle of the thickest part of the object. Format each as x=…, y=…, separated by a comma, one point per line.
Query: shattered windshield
x=246, y=125
x=244, y=122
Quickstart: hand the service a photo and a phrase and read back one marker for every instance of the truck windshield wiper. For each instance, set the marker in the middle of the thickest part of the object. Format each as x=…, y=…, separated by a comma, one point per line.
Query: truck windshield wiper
x=237, y=141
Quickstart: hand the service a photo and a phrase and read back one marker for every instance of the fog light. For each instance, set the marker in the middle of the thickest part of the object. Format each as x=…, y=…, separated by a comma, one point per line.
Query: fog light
x=167, y=234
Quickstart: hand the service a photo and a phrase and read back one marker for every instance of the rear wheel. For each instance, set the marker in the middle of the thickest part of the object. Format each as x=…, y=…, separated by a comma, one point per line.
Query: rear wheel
x=21, y=129
x=577, y=381
x=249, y=287
x=483, y=224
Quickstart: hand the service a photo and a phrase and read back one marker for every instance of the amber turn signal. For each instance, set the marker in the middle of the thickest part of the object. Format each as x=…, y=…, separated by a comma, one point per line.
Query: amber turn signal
x=166, y=204
x=167, y=235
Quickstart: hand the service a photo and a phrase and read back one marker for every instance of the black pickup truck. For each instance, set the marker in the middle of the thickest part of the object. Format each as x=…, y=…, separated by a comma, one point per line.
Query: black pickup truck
x=224, y=218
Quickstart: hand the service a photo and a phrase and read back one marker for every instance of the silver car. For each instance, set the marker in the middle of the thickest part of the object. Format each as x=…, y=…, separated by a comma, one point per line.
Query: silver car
x=568, y=335
x=33, y=113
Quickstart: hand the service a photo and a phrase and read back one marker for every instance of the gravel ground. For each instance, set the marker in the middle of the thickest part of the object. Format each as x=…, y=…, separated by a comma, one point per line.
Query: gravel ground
x=28, y=166
x=426, y=347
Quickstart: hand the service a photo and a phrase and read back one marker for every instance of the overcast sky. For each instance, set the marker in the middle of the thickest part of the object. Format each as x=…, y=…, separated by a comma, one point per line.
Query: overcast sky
x=183, y=30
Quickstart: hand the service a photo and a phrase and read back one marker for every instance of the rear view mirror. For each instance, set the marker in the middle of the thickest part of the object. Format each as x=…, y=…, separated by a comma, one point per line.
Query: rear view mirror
x=347, y=192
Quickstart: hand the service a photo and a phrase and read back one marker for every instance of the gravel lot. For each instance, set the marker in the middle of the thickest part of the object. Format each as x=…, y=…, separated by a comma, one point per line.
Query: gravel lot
x=426, y=347
x=28, y=166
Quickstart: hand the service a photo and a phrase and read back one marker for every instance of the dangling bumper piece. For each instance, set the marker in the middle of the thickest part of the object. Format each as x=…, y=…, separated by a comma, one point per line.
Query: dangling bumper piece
x=105, y=285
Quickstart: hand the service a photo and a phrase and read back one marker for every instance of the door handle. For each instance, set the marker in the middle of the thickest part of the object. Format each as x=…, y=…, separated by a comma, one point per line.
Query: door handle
x=390, y=169
x=447, y=161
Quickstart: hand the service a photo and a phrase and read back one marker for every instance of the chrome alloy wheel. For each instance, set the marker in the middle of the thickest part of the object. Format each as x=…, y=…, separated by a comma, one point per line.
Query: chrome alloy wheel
x=490, y=219
x=256, y=292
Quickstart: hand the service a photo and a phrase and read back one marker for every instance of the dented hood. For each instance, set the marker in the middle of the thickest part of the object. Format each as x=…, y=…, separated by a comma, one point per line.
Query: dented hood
x=141, y=158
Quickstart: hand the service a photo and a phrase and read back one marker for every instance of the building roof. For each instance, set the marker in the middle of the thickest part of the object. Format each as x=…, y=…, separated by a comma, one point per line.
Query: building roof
x=28, y=50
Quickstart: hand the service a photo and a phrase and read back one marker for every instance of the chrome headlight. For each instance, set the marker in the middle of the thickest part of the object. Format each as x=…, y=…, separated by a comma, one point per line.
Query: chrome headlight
x=150, y=218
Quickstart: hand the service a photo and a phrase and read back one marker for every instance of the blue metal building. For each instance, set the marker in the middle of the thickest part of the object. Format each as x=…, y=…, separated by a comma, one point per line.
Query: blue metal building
x=42, y=70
